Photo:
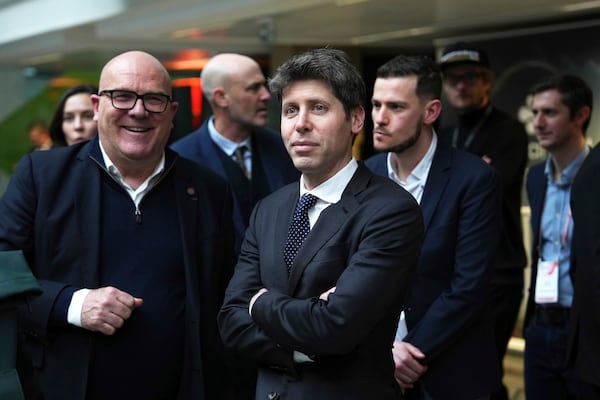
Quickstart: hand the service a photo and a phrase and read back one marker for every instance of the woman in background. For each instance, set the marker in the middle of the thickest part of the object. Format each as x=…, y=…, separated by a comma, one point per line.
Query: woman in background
x=73, y=120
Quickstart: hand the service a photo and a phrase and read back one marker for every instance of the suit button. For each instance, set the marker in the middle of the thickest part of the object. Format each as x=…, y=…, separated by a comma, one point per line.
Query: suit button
x=273, y=396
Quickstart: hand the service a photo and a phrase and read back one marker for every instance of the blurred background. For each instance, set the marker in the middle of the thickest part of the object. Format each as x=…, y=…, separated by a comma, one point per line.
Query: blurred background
x=47, y=46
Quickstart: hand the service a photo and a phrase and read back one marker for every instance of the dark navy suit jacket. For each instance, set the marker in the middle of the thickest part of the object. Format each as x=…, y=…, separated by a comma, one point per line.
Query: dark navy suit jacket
x=445, y=309
x=268, y=154
x=366, y=245
x=50, y=211
x=536, y=185
x=584, y=347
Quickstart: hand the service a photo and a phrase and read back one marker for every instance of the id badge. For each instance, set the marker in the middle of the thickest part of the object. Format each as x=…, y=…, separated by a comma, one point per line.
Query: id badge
x=546, y=284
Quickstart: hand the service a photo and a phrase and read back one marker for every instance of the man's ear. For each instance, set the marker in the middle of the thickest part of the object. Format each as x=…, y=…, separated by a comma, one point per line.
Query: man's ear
x=95, y=104
x=432, y=108
x=357, y=118
x=583, y=115
x=220, y=97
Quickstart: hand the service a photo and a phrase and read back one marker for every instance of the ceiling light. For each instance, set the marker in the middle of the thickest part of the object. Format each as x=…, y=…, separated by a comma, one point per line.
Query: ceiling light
x=581, y=6
x=342, y=3
x=404, y=33
x=42, y=59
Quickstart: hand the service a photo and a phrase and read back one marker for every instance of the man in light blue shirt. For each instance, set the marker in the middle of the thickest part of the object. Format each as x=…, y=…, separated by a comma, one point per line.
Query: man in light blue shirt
x=562, y=108
x=235, y=141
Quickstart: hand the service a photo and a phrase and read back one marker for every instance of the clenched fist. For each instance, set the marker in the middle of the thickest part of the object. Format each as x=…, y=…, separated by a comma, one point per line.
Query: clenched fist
x=106, y=309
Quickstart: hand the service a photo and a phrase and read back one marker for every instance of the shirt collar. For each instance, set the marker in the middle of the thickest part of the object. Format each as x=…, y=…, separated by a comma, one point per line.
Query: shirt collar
x=115, y=173
x=568, y=174
x=331, y=190
x=228, y=146
x=421, y=170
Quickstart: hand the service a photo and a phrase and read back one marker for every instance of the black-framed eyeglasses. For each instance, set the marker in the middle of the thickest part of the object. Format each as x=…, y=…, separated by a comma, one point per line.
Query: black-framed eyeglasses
x=126, y=100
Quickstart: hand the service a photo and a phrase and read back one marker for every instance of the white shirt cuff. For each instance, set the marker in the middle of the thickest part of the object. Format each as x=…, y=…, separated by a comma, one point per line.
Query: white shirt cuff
x=254, y=298
x=74, y=312
x=402, y=329
x=300, y=357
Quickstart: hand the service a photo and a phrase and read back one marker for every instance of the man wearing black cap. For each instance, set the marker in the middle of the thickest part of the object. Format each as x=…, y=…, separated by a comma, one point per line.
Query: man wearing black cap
x=501, y=141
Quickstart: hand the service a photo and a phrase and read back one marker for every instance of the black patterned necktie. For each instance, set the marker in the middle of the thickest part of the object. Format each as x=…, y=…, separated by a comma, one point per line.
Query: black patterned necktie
x=299, y=229
x=239, y=157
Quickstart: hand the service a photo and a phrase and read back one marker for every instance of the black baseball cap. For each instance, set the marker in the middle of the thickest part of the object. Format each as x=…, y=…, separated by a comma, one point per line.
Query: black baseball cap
x=463, y=53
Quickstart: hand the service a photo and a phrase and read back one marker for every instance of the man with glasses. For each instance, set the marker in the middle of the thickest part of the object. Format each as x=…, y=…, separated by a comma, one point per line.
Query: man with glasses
x=501, y=141
x=132, y=247
x=126, y=100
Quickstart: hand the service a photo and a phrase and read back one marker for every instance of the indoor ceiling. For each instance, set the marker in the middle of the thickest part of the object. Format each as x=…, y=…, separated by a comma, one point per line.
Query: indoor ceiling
x=80, y=32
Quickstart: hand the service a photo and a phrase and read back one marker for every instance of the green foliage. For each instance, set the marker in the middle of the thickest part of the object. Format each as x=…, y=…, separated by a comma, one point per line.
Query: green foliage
x=14, y=140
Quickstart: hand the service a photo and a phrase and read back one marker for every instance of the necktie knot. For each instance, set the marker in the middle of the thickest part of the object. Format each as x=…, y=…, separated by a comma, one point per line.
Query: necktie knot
x=299, y=228
x=240, y=159
x=307, y=201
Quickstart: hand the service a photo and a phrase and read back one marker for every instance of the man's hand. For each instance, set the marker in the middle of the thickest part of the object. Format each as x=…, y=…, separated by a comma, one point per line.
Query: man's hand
x=106, y=309
x=408, y=367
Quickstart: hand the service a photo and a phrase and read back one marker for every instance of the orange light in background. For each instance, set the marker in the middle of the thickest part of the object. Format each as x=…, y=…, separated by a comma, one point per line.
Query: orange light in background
x=188, y=60
x=65, y=82
x=195, y=85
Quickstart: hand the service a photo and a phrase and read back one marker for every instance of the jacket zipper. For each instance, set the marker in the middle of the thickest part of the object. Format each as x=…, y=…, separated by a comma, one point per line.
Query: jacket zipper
x=137, y=213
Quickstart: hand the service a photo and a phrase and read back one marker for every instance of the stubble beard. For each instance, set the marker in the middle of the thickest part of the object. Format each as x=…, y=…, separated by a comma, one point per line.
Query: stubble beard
x=408, y=143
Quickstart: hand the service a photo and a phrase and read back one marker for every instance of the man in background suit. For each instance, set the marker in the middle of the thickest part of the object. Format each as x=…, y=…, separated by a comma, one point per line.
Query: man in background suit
x=236, y=89
x=500, y=140
x=584, y=326
x=322, y=323
x=39, y=136
x=132, y=246
x=448, y=352
x=562, y=108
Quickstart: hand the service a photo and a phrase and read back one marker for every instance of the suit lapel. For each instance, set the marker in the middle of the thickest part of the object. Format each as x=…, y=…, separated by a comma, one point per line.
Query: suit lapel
x=282, y=217
x=187, y=199
x=88, y=212
x=328, y=224
x=207, y=149
x=539, y=183
x=188, y=204
x=436, y=181
x=266, y=157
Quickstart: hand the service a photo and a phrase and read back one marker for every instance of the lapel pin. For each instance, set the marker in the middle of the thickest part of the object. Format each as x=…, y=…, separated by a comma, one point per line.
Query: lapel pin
x=191, y=192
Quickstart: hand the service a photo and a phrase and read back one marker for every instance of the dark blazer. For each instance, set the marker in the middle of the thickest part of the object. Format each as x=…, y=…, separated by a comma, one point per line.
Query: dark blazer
x=51, y=212
x=268, y=154
x=445, y=309
x=366, y=245
x=584, y=330
x=536, y=185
